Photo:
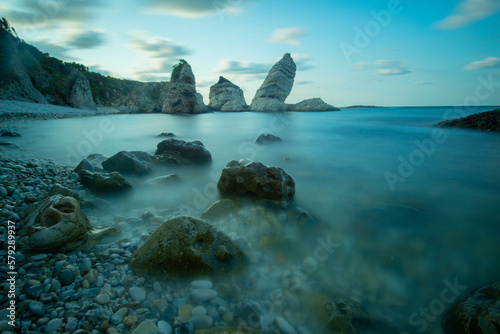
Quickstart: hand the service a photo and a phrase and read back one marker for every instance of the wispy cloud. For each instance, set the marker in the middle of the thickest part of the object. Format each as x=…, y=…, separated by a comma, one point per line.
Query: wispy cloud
x=87, y=39
x=195, y=8
x=302, y=61
x=55, y=49
x=390, y=67
x=490, y=62
x=467, y=12
x=362, y=65
x=242, y=67
x=290, y=35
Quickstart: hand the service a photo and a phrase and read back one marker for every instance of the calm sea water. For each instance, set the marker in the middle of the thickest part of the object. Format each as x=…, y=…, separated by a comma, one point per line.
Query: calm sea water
x=413, y=208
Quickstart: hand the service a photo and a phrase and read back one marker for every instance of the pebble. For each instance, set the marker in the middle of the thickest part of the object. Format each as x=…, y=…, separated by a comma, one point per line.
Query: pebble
x=38, y=257
x=53, y=326
x=199, y=310
x=164, y=327
x=202, y=284
x=203, y=294
x=86, y=264
x=285, y=326
x=137, y=294
x=102, y=299
x=3, y=192
x=100, y=281
x=146, y=327
x=37, y=308
x=201, y=322
x=66, y=277
x=185, y=311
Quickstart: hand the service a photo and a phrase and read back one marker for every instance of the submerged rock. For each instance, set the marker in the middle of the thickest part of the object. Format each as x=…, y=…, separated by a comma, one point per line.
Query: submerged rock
x=224, y=92
x=479, y=313
x=267, y=139
x=55, y=225
x=220, y=209
x=488, y=121
x=315, y=104
x=276, y=87
x=255, y=180
x=135, y=162
x=185, y=246
x=9, y=133
x=174, y=151
x=104, y=183
x=163, y=180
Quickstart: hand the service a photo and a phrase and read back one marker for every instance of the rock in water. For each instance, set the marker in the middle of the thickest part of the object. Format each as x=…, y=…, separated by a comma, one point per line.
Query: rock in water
x=135, y=162
x=185, y=246
x=105, y=183
x=174, y=151
x=255, y=180
x=479, y=313
x=55, y=225
x=315, y=104
x=488, y=121
x=224, y=92
x=264, y=139
x=81, y=96
x=181, y=95
x=276, y=87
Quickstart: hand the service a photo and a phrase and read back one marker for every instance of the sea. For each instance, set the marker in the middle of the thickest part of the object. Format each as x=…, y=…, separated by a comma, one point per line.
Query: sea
x=412, y=211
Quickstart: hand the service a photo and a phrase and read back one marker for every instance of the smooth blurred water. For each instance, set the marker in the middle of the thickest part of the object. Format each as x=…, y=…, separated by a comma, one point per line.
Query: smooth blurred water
x=439, y=221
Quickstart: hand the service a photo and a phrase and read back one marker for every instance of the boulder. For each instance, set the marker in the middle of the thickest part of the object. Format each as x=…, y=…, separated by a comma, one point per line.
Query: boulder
x=265, y=139
x=163, y=180
x=105, y=183
x=181, y=96
x=187, y=247
x=224, y=92
x=135, y=162
x=220, y=209
x=277, y=86
x=145, y=98
x=55, y=225
x=80, y=95
x=174, y=151
x=315, y=104
x=255, y=180
x=478, y=313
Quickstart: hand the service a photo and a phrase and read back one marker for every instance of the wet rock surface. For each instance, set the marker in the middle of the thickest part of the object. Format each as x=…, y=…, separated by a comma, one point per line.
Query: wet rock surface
x=174, y=151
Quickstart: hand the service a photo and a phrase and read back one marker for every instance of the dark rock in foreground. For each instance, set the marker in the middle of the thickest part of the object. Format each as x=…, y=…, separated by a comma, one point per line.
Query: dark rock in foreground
x=105, y=183
x=9, y=133
x=267, y=139
x=479, y=313
x=255, y=180
x=135, y=162
x=173, y=151
x=184, y=247
x=488, y=121
x=54, y=225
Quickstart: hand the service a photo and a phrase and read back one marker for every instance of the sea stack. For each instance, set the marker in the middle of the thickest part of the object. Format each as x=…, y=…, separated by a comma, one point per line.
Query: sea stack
x=181, y=96
x=226, y=96
x=277, y=86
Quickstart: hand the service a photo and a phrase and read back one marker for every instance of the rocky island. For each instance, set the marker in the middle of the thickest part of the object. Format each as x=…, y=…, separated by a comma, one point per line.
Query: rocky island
x=487, y=121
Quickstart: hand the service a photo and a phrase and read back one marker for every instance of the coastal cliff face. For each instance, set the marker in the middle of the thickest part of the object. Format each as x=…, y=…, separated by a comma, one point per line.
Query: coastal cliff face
x=276, y=87
x=226, y=96
x=80, y=96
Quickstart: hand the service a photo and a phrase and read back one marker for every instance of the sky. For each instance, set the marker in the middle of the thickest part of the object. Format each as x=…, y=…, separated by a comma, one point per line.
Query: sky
x=375, y=52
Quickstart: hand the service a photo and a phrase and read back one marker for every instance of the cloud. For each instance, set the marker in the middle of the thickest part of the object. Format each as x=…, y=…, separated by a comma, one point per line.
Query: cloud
x=243, y=67
x=290, y=35
x=362, y=65
x=490, y=62
x=31, y=14
x=390, y=67
x=86, y=40
x=302, y=61
x=56, y=50
x=421, y=83
x=157, y=47
x=467, y=12
x=195, y=8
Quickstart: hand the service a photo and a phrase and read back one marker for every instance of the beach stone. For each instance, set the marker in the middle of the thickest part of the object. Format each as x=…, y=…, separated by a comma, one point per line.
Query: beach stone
x=185, y=311
x=203, y=294
x=102, y=299
x=201, y=322
x=202, y=284
x=53, y=326
x=146, y=327
x=255, y=180
x=3, y=192
x=99, y=281
x=130, y=320
x=71, y=324
x=285, y=326
x=66, y=277
x=185, y=246
x=228, y=330
x=265, y=139
x=164, y=327
x=55, y=225
x=478, y=313
x=37, y=308
x=135, y=163
x=174, y=151
x=199, y=310
x=86, y=264
x=137, y=294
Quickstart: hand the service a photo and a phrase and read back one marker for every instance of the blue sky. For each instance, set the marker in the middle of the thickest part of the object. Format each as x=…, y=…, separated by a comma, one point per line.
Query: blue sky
x=378, y=52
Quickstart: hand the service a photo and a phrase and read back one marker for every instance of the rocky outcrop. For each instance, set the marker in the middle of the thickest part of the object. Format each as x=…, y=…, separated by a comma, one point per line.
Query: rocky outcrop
x=276, y=87
x=487, y=121
x=105, y=183
x=478, y=313
x=80, y=95
x=180, y=152
x=315, y=104
x=257, y=181
x=181, y=96
x=145, y=98
x=55, y=225
x=224, y=92
x=265, y=139
x=135, y=162
x=184, y=247
x=21, y=88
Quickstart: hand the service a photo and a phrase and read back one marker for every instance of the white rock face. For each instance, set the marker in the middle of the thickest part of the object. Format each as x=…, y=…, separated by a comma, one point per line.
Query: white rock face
x=277, y=86
x=145, y=98
x=224, y=92
x=234, y=105
x=315, y=104
x=81, y=96
x=181, y=97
